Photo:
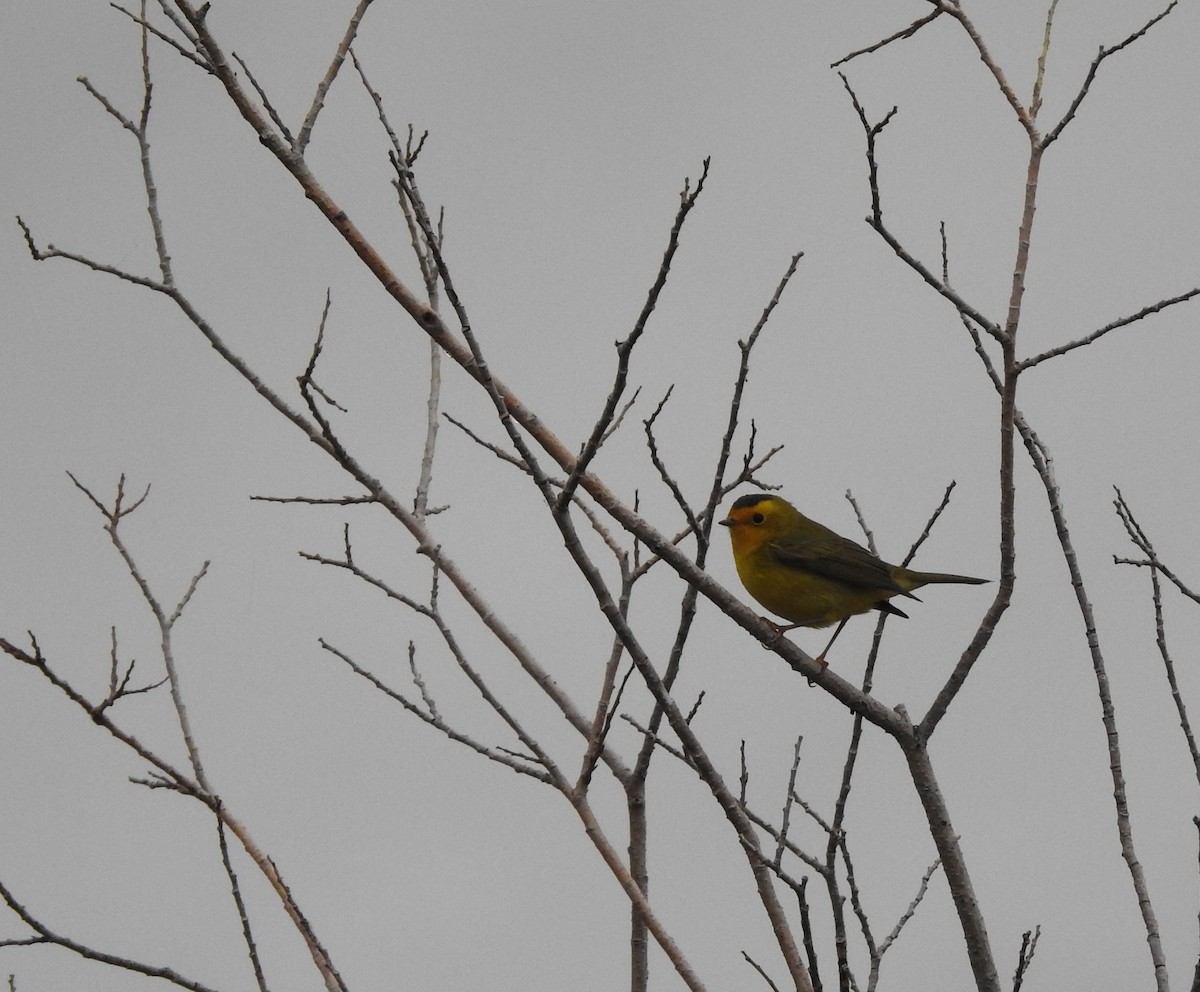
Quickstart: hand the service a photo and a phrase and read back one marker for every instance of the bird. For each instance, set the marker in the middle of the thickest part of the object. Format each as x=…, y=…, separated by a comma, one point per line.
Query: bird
x=810, y=576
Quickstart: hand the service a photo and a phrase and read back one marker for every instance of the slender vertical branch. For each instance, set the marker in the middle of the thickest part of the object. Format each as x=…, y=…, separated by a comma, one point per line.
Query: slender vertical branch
x=970, y=916
x=1035, y=103
x=1142, y=541
x=1040, y=456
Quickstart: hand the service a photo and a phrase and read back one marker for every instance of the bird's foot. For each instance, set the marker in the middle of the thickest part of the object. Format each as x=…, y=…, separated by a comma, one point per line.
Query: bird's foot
x=779, y=631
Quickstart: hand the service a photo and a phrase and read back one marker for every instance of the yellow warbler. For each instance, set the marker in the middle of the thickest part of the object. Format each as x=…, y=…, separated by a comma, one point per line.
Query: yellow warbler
x=807, y=574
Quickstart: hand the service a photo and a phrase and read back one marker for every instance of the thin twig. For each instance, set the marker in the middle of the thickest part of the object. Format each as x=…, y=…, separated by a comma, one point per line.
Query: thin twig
x=955, y=10
x=403, y=158
x=1044, y=465
x=47, y=936
x=244, y=917
x=335, y=64
x=1138, y=536
x=1103, y=54
x=907, y=32
x=1035, y=102
x=190, y=55
x=687, y=200
x=912, y=907
x=1025, y=956
x=759, y=968
x=875, y=219
x=430, y=716
x=264, y=100
x=655, y=740
x=1062, y=349
x=933, y=518
x=664, y=474
x=789, y=799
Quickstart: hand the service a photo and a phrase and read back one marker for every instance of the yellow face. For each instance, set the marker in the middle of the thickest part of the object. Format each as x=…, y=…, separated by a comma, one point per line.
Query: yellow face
x=755, y=520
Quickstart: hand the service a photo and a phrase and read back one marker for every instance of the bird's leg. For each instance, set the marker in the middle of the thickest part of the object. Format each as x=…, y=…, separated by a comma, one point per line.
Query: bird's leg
x=781, y=629
x=820, y=659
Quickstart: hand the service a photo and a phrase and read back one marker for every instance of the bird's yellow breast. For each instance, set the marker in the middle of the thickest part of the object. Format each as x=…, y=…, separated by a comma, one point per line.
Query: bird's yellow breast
x=799, y=597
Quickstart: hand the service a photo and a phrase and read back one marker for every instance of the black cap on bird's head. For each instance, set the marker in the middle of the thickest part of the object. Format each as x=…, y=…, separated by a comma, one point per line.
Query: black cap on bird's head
x=750, y=499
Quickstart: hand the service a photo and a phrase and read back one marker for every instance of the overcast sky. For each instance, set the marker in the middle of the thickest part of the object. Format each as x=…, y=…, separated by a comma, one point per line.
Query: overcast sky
x=560, y=137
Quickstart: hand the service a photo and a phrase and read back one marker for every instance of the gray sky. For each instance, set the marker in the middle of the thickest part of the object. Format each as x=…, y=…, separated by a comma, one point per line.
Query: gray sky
x=561, y=134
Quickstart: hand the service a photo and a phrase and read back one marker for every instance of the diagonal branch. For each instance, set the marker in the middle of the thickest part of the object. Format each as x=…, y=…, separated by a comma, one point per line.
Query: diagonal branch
x=875, y=219
x=955, y=10
x=907, y=32
x=687, y=200
x=1103, y=54
x=1116, y=324
x=1139, y=538
x=47, y=936
x=339, y=56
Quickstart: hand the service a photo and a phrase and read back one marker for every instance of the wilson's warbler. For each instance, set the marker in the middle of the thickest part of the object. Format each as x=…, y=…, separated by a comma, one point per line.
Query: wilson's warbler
x=807, y=574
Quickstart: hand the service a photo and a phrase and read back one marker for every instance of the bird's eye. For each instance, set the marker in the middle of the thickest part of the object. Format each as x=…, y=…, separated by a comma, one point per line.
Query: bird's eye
x=758, y=518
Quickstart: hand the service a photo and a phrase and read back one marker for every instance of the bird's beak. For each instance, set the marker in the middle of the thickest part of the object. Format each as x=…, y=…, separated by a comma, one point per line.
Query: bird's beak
x=726, y=522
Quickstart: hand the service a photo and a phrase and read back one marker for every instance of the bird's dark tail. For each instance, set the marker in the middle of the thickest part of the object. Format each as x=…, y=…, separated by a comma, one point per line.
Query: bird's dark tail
x=932, y=578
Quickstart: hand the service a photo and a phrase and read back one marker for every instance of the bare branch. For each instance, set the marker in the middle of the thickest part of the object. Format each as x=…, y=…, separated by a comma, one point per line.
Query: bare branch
x=47, y=936
x=907, y=32
x=1035, y=103
x=44, y=254
x=1139, y=538
x=856, y=905
x=721, y=488
x=955, y=10
x=37, y=661
x=114, y=516
x=265, y=100
x=656, y=740
x=929, y=524
x=609, y=697
x=190, y=55
x=377, y=99
x=306, y=380
x=235, y=887
x=183, y=27
x=191, y=589
x=430, y=716
x=1025, y=957
x=789, y=798
x=665, y=474
x=339, y=56
x=317, y=500
x=757, y=967
x=118, y=685
x=419, y=682
x=1103, y=54
x=1121, y=322
x=792, y=848
x=912, y=907
x=687, y=199
x=969, y=325
x=937, y=817
x=1043, y=463
x=509, y=406
x=875, y=219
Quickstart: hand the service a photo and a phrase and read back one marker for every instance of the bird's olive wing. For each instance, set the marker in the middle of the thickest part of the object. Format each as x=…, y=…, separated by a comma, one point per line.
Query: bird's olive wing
x=835, y=557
